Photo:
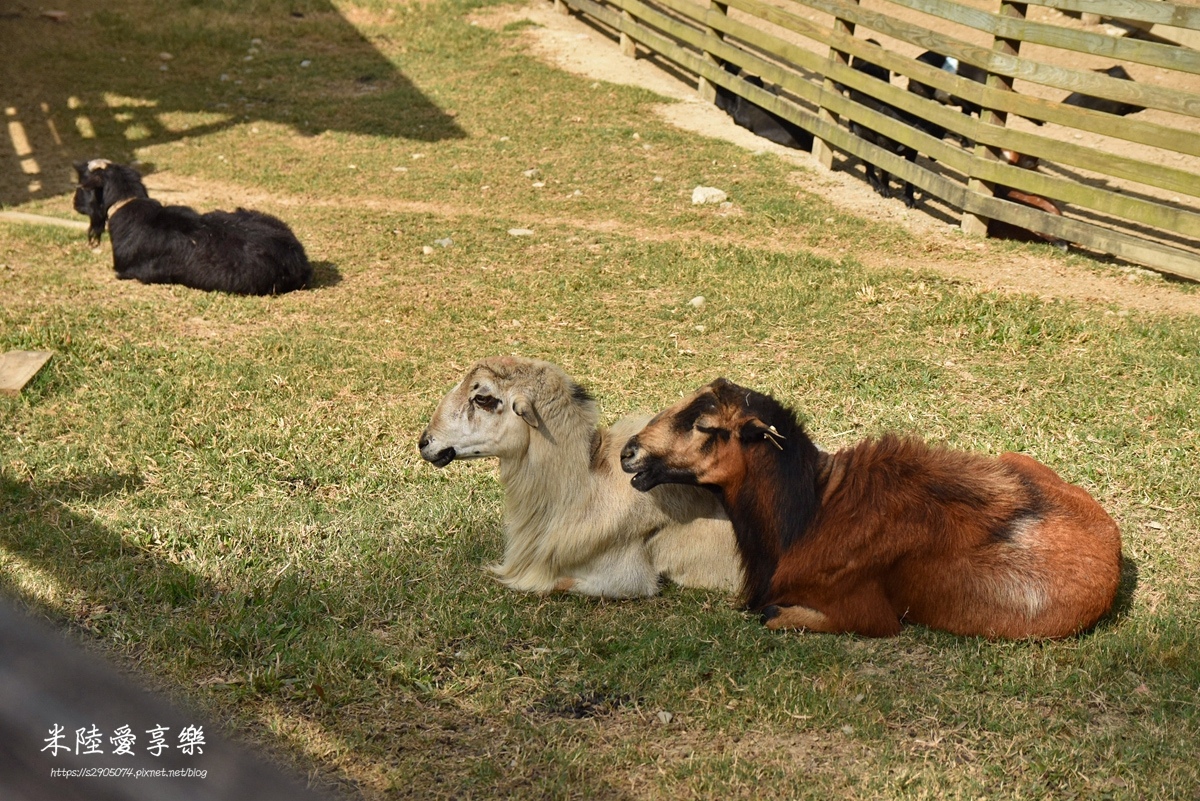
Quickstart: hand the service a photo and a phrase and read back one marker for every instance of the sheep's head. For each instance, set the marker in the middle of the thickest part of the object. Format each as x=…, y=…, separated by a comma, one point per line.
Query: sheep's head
x=494, y=409
x=705, y=439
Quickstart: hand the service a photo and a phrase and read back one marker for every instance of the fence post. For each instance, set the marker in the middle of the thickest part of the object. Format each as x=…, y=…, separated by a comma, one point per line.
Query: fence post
x=628, y=44
x=972, y=223
x=561, y=7
x=704, y=87
x=821, y=151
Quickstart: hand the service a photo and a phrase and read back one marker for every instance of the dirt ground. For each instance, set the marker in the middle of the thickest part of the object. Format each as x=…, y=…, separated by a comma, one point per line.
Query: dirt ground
x=569, y=43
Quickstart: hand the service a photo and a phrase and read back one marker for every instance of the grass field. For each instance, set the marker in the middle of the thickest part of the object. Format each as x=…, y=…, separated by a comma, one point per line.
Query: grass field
x=226, y=493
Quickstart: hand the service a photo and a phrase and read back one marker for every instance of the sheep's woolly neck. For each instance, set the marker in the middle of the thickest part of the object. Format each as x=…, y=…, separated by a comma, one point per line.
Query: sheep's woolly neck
x=542, y=491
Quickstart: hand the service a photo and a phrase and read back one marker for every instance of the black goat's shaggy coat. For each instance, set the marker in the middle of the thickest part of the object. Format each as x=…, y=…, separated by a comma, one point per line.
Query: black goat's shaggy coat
x=879, y=178
x=1117, y=107
x=757, y=119
x=241, y=252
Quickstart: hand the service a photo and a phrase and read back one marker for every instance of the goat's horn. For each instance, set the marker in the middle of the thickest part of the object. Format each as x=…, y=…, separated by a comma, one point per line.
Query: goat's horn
x=774, y=436
x=98, y=164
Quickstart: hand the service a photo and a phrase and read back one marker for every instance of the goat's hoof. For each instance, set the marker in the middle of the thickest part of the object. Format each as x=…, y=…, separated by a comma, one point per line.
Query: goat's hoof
x=769, y=613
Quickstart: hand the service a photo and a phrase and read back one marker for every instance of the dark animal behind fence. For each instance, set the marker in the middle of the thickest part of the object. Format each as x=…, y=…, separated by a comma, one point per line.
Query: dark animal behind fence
x=889, y=530
x=757, y=119
x=879, y=178
x=241, y=252
x=1118, y=107
x=954, y=67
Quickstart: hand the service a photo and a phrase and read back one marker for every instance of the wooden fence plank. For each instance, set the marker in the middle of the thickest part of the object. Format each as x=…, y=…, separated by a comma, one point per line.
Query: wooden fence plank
x=1136, y=209
x=700, y=40
x=1012, y=66
x=1130, y=130
x=39, y=219
x=1178, y=16
x=18, y=367
x=703, y=87
x=1124, y=49
x=1068, y=153
x=985, y=154
x=1152, y=254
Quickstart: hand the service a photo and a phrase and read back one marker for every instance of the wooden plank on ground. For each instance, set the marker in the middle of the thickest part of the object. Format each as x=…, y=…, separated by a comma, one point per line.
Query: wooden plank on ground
x=17, y=367
x=38, y=219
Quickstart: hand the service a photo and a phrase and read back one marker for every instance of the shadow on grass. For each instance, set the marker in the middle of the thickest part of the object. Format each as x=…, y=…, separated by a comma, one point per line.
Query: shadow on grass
x=1125, y=592
x=53, y=686
x=61, y=547
x=114, y=590
x=109, y=79
x=325, y=274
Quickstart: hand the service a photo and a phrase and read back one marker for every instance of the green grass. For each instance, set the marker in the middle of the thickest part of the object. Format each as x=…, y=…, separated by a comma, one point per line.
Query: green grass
x=226, y=491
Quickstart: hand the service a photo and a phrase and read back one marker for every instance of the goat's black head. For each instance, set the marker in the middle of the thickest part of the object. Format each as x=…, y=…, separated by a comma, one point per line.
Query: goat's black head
x=101, y=185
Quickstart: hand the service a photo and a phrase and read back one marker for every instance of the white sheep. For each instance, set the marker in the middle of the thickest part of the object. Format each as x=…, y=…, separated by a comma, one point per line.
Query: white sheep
x=572, y=521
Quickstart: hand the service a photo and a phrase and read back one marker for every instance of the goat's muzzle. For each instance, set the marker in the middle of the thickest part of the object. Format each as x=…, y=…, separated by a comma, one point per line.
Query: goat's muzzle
x=633, y=460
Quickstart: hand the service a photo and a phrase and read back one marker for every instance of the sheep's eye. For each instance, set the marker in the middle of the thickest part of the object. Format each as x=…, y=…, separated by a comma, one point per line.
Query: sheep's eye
x=486, y=402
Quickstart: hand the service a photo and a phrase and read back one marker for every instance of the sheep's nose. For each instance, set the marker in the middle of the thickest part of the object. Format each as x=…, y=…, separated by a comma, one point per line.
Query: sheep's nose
x=629, y=451
x=424, y=440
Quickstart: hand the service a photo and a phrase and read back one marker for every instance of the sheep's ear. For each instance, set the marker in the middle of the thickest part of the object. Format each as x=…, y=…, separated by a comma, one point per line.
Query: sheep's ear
x=524, y=409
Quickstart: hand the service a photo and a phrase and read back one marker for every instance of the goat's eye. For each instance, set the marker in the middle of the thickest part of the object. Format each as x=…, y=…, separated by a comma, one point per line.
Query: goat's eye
x=710, y=430
x=486, y=402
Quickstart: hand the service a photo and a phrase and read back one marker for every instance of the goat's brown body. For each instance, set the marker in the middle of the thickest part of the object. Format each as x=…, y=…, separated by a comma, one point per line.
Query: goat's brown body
x=888, y=531
x=955, y=541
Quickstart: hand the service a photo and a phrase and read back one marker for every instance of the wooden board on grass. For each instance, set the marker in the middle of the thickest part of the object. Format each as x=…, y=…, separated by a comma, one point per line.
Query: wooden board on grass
x=17, y=367
x=38, y=219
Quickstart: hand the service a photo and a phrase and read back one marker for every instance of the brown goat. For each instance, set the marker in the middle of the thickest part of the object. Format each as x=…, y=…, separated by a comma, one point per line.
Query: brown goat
x=889, y=530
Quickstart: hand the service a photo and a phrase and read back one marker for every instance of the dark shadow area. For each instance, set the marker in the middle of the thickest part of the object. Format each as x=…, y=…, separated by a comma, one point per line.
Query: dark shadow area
x=46, y=681
x=104, y=80
x=37, y=527
x=64, y=708
x=1123, y=603
x=325, y=274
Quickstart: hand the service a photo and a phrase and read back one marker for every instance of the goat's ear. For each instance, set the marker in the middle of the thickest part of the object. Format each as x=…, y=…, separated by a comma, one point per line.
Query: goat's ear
x=524, y=409
x=96, y=229
x=755, y=430
x=81, y=169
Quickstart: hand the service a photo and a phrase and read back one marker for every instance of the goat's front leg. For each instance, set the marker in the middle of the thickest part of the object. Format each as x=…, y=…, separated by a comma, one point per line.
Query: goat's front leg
x=802, y=618
x=864, y=610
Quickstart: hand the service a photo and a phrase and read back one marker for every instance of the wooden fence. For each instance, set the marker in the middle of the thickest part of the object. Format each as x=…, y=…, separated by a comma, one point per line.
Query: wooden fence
x=1127, y=185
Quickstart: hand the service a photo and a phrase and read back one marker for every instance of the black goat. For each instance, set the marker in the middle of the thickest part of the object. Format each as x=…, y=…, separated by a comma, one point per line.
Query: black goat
x=954, y=67
x=1118, y=107
x=757, y=119
x=243, y=252
x=879, y=178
